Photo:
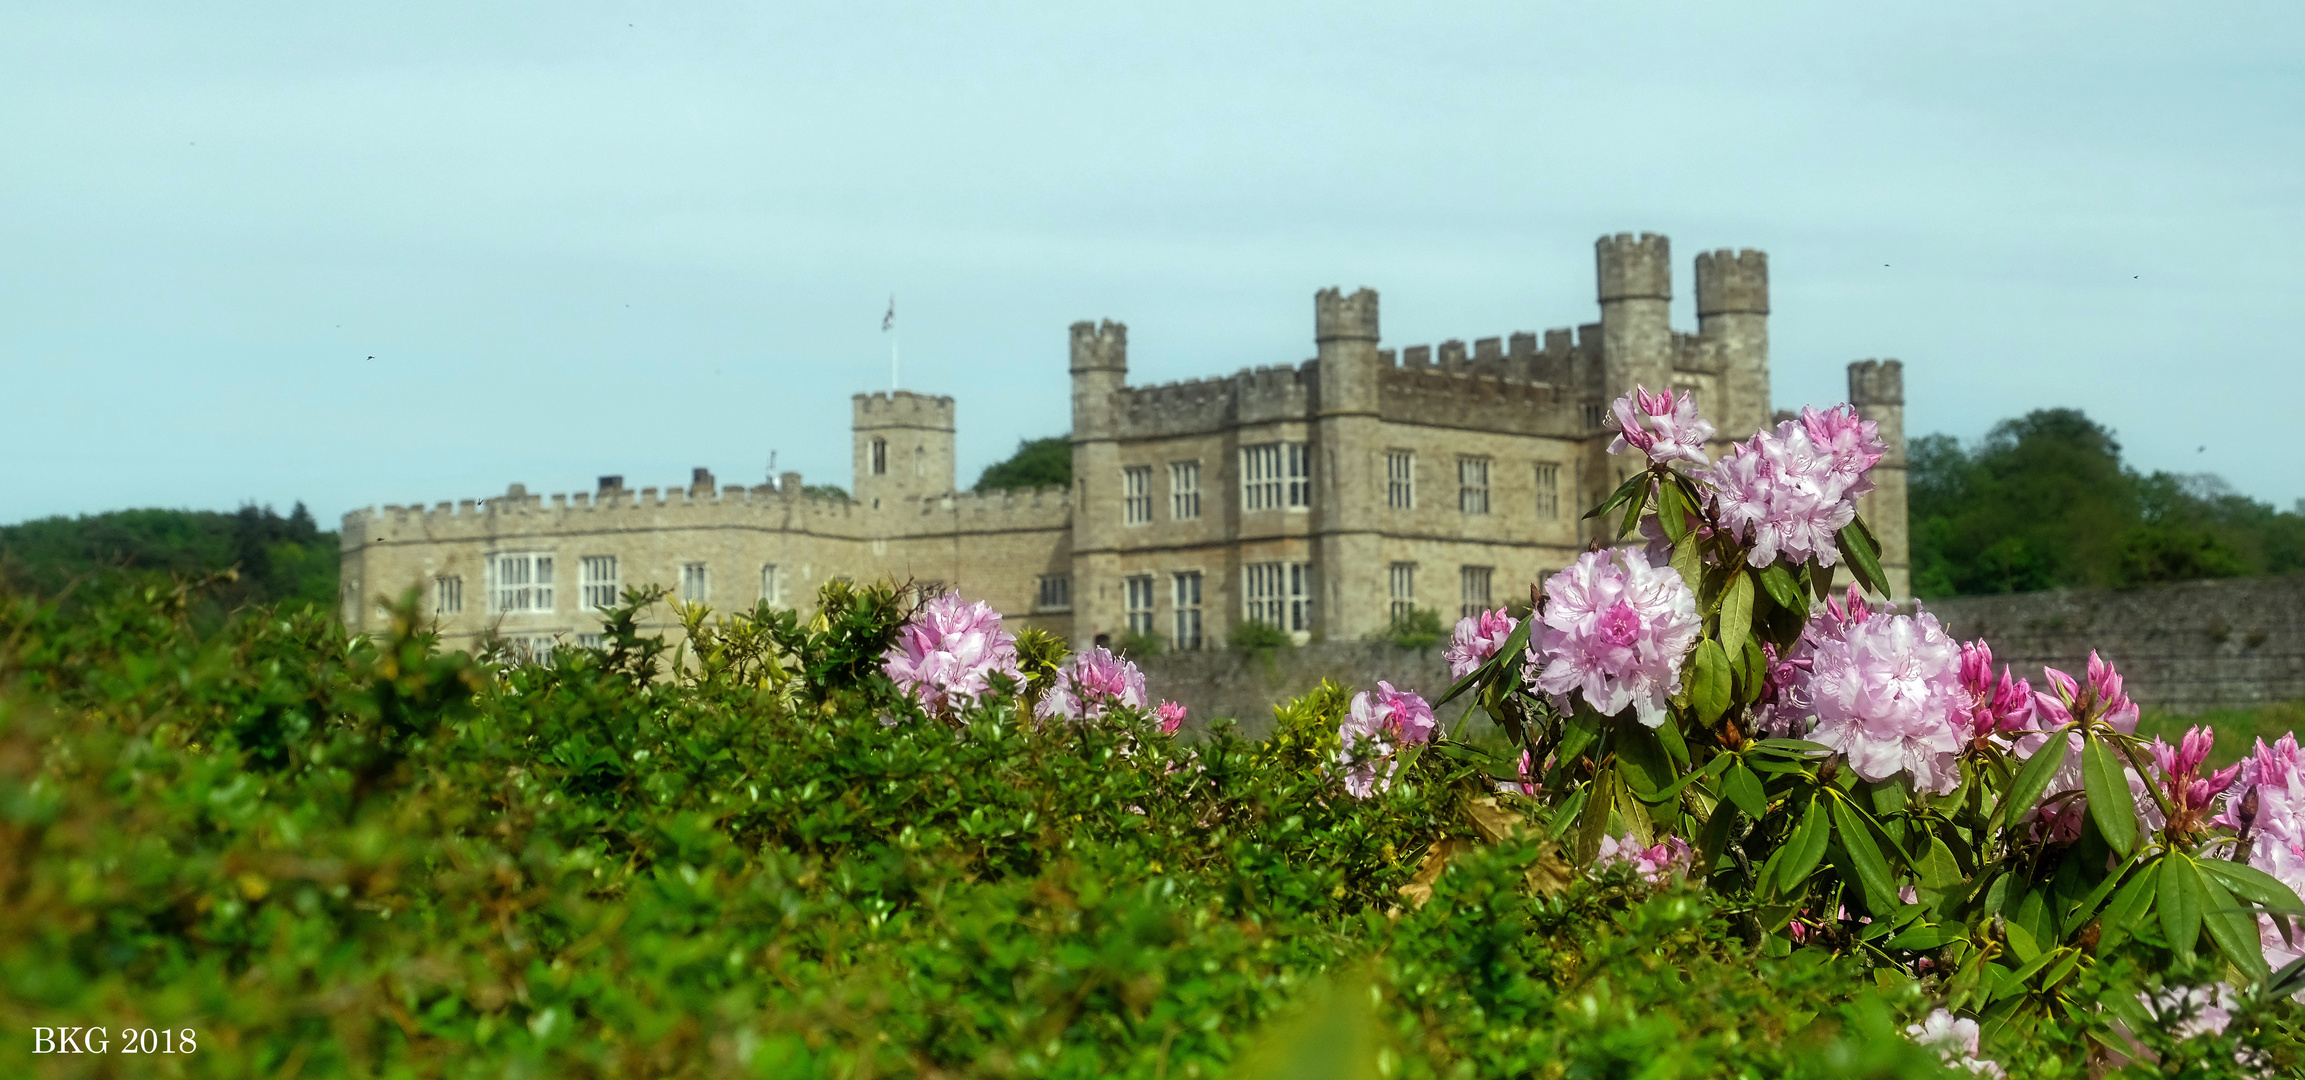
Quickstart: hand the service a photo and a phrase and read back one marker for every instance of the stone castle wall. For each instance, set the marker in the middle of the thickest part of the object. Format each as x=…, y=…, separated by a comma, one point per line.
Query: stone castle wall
x=2187, y=647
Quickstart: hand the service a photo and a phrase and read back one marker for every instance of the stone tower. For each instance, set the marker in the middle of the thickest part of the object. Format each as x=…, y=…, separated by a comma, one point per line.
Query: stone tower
x=1099, y=371
x=1636, y=289
x=1733, y=309
x=1877, y=389
x=903, y=446
x=1347, y=467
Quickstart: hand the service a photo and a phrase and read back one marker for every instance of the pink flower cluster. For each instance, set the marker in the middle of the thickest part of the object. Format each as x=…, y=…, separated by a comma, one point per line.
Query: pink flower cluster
x=1170, y=716
x=946, y=654
x=1615, y=630
x=1377, y=727
x=1089, y=684
x=1659, y=426
x=2102, y=697
x=2190, y=794
x=2267, y=809
x=1659, y=862
x=1996, y=705
x=1787, y=492
x=1886, y=691
x=1477, y=638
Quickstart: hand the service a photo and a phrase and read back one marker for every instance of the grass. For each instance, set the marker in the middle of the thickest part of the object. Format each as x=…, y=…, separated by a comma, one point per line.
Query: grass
x=2238, y=729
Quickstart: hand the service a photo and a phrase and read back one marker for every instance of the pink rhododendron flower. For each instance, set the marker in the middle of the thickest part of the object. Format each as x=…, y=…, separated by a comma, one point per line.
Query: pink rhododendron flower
x=947, y=653
x=1477, y=638
x=1376, y=727
x=1171, y=716
x=1996, y=705
x=1659, y=426
x=1887, y=694
x=2101, y=697
x=1659, y=862
x=1955, y=1039
x=1615, y=630
x=1788, y=491
x=1090, y=683
x=2190, y=793
x=2266, y=808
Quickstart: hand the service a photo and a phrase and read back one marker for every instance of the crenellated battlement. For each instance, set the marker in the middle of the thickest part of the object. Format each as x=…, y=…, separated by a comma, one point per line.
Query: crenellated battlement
x=903, y=408
x=1464, y=399
x=1250, y=395
x=1099, y=345
x=1634, y=267
x=1732, y=282
x=1340, y=317
x=1877, y=382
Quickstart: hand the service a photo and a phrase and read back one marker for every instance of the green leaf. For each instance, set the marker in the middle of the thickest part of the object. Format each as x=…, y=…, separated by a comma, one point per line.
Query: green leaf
x=1821, y=580
x=1865, y=858
x=2109, y=799
x=2255, y=885
x=1672, y=512
x=1716, y=835
x=1938, y=869
x=1689, y=562
x=1736, y=617
x=1922, y=938
x=1779, y=584
x=1864, y=560
x=1744, y=789
x=1806, y=848
x=2233, y=927
x=2181, y=900
x=2034, y=778
x=1794, y=748
x=1752, y=670
x=1624, y=491
x=1578, y=730
x=2128, y=907
x=1709, y=680
x=1633, y=508
x=1594, y=824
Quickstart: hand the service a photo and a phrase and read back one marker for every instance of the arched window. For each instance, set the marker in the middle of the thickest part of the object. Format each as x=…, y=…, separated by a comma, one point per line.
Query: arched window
x=879, y=456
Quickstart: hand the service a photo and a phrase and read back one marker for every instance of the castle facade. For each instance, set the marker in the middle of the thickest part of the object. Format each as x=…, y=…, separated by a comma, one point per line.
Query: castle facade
x=1322, y=498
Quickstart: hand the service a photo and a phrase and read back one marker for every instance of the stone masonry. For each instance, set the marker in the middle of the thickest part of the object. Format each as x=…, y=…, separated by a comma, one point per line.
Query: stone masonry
x=1320, y=498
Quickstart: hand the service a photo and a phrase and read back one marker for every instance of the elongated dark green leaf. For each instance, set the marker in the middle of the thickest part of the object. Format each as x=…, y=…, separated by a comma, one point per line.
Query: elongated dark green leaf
x=1792, y=747
x=1864, y=560
x=1821, y=580
x=1752, y=670
x=1633, y=508
x=2233, y=927
x=1865, y=858
x=1672, y=512
x=1778, y=583
x=2254, y=885
x=1676, y=746
x=1736, y=616
x=1744, y=789
x=1624, y=491
x=2034, y=778
x=1709, y=680
x=1594, y=823
x=1716, y=835
x=2109, y=800
x=1921, y=938
x=2181, y=900
x=2126, y=911
x=1938, y=869
x=1578, y=730
x=1806, y=848
x=2083, y=911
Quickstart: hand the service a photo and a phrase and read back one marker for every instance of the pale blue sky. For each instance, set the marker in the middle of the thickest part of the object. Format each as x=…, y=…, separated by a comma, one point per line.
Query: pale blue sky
x=635, y=238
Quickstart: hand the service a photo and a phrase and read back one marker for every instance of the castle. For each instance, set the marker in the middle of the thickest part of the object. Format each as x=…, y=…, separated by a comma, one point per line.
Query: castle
x=1322, y=498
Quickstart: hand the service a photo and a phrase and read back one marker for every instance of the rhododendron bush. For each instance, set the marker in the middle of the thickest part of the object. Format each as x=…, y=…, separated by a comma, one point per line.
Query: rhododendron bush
x=1845, y=774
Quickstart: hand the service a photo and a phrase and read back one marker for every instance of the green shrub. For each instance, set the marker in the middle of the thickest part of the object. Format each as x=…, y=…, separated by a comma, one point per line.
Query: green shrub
x=743, y=855
x=1254, y=637
x=1419, y=628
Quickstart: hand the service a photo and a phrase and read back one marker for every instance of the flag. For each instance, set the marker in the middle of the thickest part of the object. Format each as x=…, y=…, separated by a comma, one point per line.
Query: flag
x=888, y=321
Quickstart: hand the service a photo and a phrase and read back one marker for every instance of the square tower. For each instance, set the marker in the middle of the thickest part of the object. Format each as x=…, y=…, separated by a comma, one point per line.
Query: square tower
x=903, y=446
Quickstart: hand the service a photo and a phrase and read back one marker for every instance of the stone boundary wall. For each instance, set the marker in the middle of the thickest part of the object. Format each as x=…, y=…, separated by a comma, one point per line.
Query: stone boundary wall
x=1223, y=682
x=2185, y=647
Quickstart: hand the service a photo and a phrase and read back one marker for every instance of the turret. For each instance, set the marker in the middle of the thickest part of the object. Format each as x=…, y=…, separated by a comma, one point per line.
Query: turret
x=1347, y=570
x=1636, y=291
x=1099, y=371
x=1877, y=389
x=903, y=446
x=1733, y=309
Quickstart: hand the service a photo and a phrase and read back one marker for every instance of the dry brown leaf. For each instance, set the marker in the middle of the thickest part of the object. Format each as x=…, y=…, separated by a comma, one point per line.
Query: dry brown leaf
x=1495, y=823
x=1436, y=859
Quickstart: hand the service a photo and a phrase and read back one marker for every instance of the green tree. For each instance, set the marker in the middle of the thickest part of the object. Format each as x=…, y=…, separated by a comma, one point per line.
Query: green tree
x=275, y=559
x=1036, y=463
